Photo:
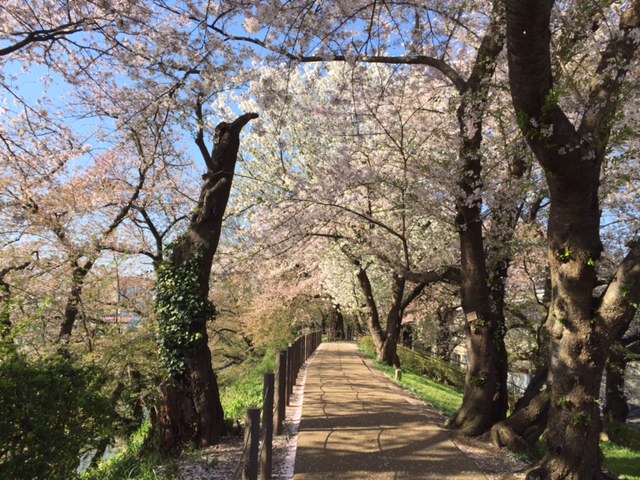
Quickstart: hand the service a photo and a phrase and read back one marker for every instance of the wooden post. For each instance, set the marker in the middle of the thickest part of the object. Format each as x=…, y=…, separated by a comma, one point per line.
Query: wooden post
x=299, y=358
x=281, y=392
x=289, y=388
x=296, y=363
x=266, y=456
x=252, y=441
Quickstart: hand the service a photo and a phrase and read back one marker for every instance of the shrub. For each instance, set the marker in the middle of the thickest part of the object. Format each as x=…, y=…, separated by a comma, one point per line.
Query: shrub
x=138, y=459
x=367, y=346
x=431, y=367
x=53, y=410
x=427, y=366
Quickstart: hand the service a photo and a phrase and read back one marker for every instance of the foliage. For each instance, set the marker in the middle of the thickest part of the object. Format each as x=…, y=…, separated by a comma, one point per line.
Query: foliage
x=430, y=367
x=623, y=435
x=179, y=308
x=53, y=410
x=242, y=388
x=442, y=397
x=367, y=346
x=139, y=459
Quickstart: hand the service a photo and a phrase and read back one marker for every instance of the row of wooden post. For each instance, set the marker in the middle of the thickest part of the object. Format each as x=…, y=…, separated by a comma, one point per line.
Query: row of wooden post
x=277, y=391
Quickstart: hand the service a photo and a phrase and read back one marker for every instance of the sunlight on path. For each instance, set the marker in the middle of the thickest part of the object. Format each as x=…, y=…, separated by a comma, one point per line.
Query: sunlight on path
x=355, y=427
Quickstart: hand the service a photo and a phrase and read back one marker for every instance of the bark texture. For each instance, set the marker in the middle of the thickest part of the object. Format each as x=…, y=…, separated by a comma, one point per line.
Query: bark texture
x=485, y=393
x=191, y=412
x=615, y=408
x=581, y=328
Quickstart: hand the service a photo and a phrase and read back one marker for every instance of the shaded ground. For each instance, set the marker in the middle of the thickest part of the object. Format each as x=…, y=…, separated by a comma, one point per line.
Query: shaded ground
x=356, y=424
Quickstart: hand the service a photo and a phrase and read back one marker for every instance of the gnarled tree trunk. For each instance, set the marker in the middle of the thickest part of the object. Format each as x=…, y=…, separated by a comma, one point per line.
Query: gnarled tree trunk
x=521, y=430
x=191, y=412
x=581, y=327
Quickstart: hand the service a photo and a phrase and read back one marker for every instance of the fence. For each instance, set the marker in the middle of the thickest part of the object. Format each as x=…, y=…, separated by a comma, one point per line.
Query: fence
x=256, y=460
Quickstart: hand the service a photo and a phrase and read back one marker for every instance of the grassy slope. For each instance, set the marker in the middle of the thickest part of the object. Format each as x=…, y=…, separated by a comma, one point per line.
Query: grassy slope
x=622, y=461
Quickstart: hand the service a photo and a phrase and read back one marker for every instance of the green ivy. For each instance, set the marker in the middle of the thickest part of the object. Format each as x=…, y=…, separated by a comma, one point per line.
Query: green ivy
x=180, y=311
x=563, y=256
x=581, y=420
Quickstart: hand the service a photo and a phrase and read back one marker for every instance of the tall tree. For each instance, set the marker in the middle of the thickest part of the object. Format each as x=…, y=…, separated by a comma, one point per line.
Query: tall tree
x=191, y=412
x=582, y=324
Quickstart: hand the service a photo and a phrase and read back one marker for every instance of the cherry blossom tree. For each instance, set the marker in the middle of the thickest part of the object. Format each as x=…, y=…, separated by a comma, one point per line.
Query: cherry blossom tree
x=570, y=136
x=425, y=35
x=359, y=193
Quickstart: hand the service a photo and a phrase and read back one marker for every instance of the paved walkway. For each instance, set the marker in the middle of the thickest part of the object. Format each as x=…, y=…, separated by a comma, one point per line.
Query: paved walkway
x=356, y=426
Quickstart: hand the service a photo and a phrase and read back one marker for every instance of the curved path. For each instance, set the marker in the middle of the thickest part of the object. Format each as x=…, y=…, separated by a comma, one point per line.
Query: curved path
x=356, y=426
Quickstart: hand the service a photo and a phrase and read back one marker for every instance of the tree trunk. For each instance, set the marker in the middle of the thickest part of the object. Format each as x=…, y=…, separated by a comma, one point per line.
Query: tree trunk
x=373, y=316
x=581, y=328
x=191, y=412
x=521, y=430
x=337, y=323
x=616, y=408
x=485, y=392
x=577, y=357
x=72, y=306
x=406, y=336
x=389, y=352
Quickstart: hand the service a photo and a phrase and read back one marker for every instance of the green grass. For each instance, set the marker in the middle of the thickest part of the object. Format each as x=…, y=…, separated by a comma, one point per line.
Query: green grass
x=243, y=389
x=441, y=397
x=622, y=461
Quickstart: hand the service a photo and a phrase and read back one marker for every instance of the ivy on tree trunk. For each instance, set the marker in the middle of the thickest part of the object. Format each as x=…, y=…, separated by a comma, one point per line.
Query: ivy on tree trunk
x=191, y=412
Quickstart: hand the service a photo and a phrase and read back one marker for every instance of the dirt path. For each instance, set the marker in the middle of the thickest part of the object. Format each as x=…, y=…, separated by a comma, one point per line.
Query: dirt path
x=356, y=425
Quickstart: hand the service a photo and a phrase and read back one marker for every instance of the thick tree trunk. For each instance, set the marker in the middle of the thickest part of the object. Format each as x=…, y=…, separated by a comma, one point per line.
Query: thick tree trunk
x=581, y=328
x=521, y=430
x=485, y=394
x=389, y=352
x=72, y=306
x=191, y=412
x=337, y=323
x=373, y=316
x=577, y=355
